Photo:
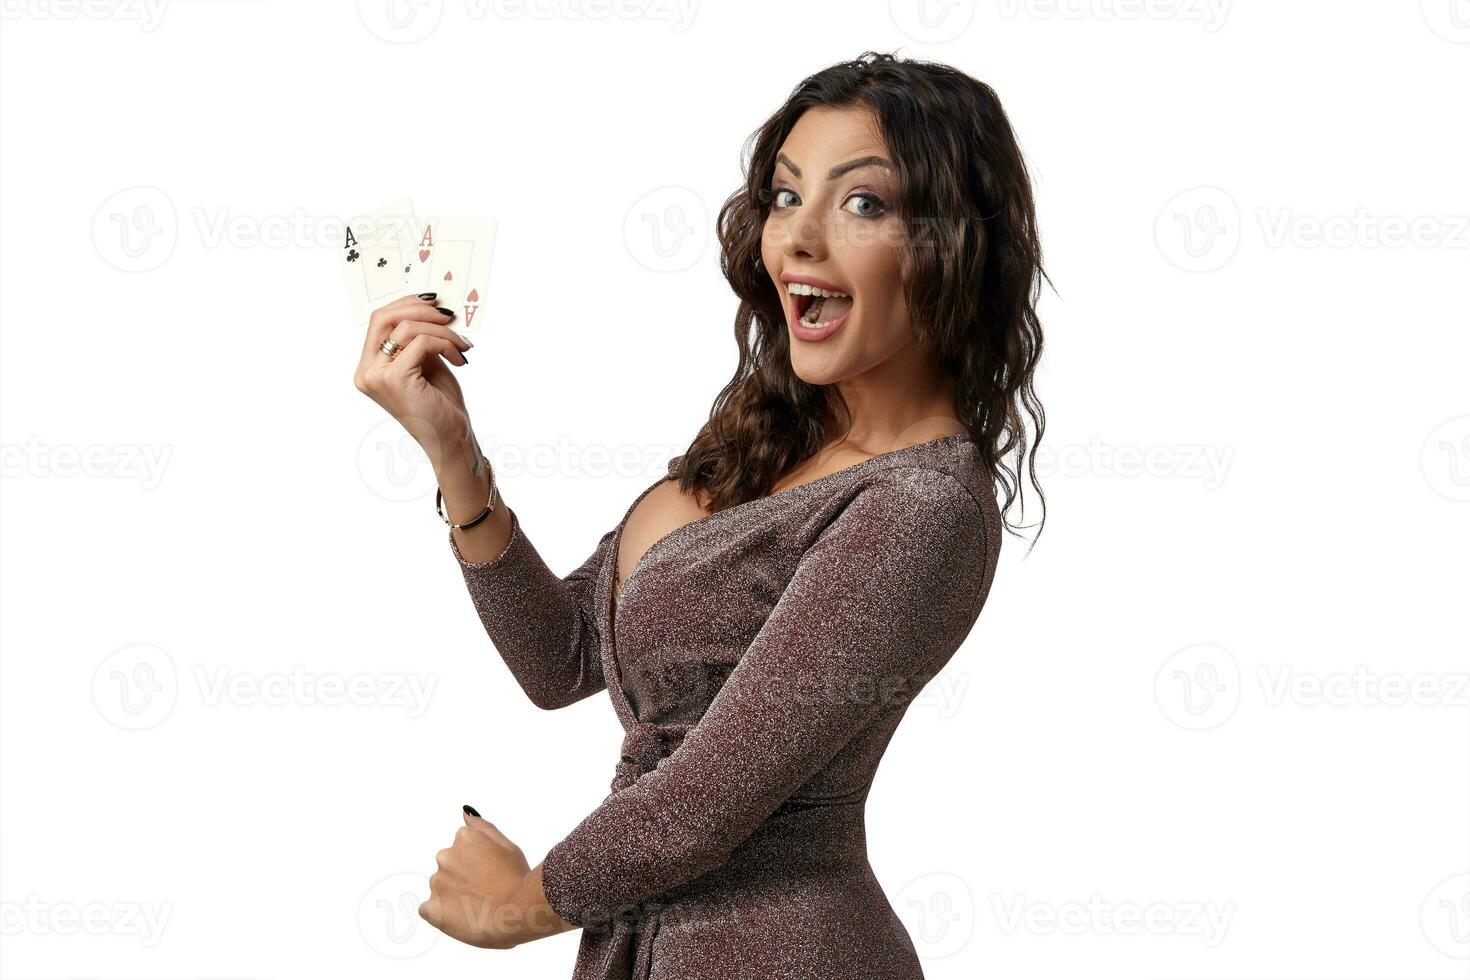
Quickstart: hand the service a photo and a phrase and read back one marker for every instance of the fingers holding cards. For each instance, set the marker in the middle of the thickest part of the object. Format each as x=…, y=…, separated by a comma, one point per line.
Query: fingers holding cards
x=385, y=318
x=451, y=257
x=408, y=278
x=425, y=345
x=404, y=333
x=401, y=321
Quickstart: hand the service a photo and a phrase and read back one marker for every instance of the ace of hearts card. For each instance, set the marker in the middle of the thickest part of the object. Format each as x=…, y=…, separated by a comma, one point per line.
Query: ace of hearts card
x=451, y=257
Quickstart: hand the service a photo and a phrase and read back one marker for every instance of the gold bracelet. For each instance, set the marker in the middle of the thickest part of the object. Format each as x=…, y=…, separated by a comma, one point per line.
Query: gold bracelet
x=489, y=507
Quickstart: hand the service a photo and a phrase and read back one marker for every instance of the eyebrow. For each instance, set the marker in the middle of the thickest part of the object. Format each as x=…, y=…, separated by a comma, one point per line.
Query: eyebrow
x=841, y=168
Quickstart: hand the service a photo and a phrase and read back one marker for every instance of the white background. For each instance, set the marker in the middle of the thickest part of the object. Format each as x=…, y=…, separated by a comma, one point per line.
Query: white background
x=1224, y=695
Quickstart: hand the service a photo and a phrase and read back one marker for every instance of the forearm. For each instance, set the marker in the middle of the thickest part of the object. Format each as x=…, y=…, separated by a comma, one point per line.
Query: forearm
x=464, y=477
x=543, y=625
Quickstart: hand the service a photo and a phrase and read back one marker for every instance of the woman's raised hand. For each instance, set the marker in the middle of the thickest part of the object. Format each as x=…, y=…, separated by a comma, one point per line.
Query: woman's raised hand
x=416, y=386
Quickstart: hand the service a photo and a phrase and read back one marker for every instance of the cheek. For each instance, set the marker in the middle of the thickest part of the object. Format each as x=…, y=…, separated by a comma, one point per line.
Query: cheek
x=887, y=328
x=877, y=277
x=770, y=241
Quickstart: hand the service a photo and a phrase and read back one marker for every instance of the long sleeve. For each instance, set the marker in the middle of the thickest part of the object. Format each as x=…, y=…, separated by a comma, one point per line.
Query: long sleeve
x=876, y=606
x=544, y=626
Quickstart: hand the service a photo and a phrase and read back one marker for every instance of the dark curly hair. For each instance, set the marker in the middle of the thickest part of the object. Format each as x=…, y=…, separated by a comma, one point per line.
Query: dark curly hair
x=971, y=271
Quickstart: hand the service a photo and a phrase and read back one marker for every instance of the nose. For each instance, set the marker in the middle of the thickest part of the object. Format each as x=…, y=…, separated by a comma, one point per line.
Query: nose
x=805, y=236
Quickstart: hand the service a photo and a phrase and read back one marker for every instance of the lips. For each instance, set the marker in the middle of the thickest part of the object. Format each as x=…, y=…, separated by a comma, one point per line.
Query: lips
x=832, y=312
x=810, y=334
x=790, y=277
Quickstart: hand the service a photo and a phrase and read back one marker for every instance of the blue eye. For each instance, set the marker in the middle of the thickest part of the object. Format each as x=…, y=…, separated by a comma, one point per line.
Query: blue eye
x=875, y=208
x=874, y=211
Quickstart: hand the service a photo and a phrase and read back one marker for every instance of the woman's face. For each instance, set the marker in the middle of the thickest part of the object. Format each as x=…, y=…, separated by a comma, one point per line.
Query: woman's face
x=830, y=222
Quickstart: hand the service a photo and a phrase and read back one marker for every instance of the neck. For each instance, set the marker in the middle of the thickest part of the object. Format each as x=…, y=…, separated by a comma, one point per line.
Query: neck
x=902, y=401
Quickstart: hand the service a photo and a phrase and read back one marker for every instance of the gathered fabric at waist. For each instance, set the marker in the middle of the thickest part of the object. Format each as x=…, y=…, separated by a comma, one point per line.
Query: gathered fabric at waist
x=803, y=836
x=799, y=850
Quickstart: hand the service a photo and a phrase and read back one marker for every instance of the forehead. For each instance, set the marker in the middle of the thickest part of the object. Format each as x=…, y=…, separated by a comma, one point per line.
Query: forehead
x=824, y=135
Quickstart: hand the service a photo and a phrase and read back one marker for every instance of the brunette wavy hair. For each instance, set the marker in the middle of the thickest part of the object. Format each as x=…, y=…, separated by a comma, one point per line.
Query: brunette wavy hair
x=971, y=272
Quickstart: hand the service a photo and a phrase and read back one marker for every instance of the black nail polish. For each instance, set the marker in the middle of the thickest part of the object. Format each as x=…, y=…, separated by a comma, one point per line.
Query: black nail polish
x=445, y=310
x=472, y=811
x=465, y=356
x=427, y=295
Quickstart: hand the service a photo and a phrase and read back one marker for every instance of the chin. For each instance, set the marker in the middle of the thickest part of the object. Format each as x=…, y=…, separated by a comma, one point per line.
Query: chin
x=816, y=368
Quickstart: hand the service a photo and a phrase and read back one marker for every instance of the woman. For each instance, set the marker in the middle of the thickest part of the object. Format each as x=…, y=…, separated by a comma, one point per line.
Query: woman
x=762, y=617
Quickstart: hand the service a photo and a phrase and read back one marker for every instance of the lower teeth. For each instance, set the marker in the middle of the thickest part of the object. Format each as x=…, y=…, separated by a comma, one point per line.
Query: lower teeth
x=809, y=318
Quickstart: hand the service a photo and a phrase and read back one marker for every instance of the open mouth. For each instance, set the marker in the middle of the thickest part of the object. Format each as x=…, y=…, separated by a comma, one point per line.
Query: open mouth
x=817, y=308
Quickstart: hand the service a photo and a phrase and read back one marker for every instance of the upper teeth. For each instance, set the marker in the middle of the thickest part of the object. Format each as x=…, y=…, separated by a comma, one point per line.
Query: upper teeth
x=802, y=289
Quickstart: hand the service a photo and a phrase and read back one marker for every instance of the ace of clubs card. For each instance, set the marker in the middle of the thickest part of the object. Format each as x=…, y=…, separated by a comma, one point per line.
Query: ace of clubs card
x=451, y=257
x=375, y=257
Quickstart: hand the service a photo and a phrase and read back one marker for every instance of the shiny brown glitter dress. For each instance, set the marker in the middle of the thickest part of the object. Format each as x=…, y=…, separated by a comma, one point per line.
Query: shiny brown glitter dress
x=762, y=658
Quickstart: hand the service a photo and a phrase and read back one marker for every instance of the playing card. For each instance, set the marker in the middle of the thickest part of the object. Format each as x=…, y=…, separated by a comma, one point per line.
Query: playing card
x=375, y=257
x=451, y=257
